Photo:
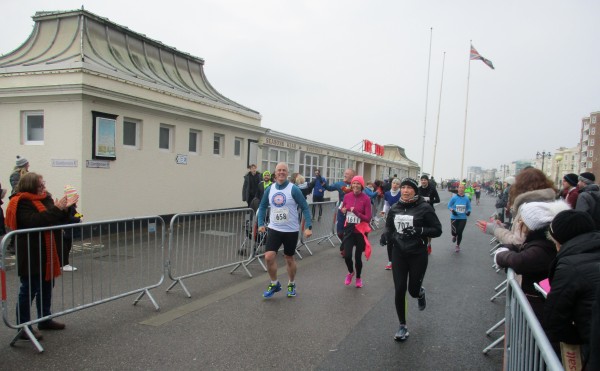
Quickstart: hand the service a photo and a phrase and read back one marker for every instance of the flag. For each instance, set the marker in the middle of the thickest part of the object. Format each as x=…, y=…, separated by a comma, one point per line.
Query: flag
x=475, y=55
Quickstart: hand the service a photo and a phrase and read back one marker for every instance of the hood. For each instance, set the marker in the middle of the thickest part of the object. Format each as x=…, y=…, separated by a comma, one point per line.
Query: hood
x=590, y=188
x=541, y=195
x=584, y=243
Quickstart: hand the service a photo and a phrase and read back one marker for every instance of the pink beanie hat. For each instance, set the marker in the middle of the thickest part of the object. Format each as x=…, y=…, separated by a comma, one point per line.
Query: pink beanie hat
x=359, y=179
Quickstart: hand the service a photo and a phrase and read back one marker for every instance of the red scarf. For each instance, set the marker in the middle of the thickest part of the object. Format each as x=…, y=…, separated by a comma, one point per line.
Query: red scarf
x=52, y=262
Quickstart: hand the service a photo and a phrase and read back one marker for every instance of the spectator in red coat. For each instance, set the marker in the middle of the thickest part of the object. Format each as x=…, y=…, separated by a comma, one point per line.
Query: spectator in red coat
x=570, y=192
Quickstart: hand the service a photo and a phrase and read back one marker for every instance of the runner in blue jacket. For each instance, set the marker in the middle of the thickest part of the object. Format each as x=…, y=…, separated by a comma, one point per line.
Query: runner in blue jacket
x=460, y=207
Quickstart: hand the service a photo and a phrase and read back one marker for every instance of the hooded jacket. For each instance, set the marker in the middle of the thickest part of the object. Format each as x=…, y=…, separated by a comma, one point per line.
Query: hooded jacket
x=589, y=201
x=424, y=220
x=574, y=278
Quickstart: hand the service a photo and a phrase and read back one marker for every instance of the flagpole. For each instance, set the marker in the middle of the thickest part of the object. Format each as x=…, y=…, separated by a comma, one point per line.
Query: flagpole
x=437, y=127
x=462, y=161
x=426, y=99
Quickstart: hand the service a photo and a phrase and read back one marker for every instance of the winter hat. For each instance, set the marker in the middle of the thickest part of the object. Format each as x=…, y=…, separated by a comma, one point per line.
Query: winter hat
x=410, y=182
x=587, y=178
x=570, y=223
x=359, y=179
x=510, y=180
x=70, y=191
x=424, y=176
x=266, y=173
x=538, y=215
x=571, y=179
x=21, y=161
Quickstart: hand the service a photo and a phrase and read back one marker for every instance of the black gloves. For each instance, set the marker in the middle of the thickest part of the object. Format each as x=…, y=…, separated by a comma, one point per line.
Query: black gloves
x=409, y=231
x=383, y=239
x=454, y=213
x=468, y=213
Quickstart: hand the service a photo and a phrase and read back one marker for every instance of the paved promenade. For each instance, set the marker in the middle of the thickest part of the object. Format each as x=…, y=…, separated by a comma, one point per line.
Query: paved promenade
x=328, y=326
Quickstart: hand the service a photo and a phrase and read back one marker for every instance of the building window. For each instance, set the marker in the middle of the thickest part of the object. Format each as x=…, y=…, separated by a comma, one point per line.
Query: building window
x=33, y=127
x=336, y=170
x=311, y=163
x=589, y=164
x=272, y=157
x=593, y=130
x=218, y=144
x=131, y=133
x=165, y=138
x=195, y=142
x=593, y=119
x=591, y=142
x=237, y=147
x=591, y=153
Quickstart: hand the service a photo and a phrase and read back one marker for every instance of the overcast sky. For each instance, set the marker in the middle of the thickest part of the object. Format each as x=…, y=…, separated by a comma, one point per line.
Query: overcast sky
x=339, y=71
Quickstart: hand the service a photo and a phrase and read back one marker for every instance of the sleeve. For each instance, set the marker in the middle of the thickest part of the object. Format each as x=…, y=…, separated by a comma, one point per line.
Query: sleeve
x=29, y=217
x=386, y=206
x=508, y=236
x=469, y=205
x=244, y=188
x=526, y=261
x=560, y=305
x=431, y=226
x=583, y=202
x=451, y=203
x=301, y=201
x=331, y=188
x=435, y=197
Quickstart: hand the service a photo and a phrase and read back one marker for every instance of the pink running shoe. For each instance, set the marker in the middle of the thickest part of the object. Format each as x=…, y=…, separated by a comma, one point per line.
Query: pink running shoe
x=457, y=249
x=348, y=280
x=388, y=267
x=358, y=283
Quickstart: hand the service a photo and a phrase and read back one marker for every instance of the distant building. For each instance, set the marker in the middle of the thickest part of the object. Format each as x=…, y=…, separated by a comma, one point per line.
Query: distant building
x=588, y=158
x=135, y=126
x=564, y=161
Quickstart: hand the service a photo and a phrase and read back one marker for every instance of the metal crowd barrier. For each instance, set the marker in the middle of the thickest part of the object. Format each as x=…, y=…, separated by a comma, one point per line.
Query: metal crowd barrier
x=526, y=346
x=203, y=242
x=113, y=259
x=323, y=222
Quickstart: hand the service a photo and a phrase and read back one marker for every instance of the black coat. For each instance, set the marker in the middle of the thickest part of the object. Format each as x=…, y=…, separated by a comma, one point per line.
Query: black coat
x=250, y=186
x=574, y=279
x=31, y=247
x=424, y=220
x=430, y=192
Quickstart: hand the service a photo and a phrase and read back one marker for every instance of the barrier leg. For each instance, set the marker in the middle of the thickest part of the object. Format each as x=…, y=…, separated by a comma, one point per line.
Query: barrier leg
x=147, y=292
x=498, y=294
x=180, y=281
x=493, y=328
x=241, y=265
x=501, y=285
x=306, y=246
x=29, y=334
x=492, y=345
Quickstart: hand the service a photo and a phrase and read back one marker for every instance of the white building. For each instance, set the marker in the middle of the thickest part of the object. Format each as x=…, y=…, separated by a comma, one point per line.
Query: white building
x=136, y=127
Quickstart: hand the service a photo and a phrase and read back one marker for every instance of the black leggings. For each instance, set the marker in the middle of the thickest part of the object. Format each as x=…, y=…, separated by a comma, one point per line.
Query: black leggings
x=408, y=271
x=351, y=240
x=458, y=226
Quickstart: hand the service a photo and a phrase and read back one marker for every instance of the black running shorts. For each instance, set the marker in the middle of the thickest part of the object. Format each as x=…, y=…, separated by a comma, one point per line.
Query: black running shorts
x=289, y=240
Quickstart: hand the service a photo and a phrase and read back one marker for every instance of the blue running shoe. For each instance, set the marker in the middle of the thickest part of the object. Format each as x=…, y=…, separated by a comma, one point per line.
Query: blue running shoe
x=291, y=290
x=271, y=290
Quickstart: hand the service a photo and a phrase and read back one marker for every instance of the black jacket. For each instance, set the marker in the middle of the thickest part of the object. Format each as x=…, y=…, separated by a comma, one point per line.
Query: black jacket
x=430, y=192
x=574, y=278
x=250, y=186
x=424, y=220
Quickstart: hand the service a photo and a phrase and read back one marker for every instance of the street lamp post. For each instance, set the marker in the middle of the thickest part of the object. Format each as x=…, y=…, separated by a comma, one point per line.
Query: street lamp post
x=504, y=168
x=543, y=155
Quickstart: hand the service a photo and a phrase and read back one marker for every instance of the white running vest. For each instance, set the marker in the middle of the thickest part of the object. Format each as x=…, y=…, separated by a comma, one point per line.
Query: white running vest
x=284, y=209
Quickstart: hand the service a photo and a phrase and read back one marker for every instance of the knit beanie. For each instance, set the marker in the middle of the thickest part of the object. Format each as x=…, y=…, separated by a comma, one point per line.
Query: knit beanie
x=70, y=191
x=424, y=176
x=266, y=173
x=569, y=224
x=571, y=179
x=360, y=180
x=21, y=161
x=538, y=215
x=587, y=178
x=410, y=182
x=510, y=180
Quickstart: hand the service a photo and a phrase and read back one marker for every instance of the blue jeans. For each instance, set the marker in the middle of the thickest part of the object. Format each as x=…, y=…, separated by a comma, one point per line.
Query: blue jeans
x=39, y=289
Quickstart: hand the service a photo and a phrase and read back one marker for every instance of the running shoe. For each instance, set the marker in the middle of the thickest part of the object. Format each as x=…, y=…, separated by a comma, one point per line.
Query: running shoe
x=291, y=290
x=421, y=300
x=428, y=249
x=348, y=280
x=453, y=238
x=388, y=266
x=272, y=289
x=359, y=283
x=457, y=249
x=402, y=333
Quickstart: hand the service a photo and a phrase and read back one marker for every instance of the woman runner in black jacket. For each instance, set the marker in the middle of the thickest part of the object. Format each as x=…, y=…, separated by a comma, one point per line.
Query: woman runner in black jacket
x=408, y=225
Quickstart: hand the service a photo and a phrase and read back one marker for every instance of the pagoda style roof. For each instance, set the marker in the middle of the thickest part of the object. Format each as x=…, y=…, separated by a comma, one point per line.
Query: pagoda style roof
x=78, y=39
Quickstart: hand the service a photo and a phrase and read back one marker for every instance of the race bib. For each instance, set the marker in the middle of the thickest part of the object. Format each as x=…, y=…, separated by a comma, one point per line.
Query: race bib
x=351, y=218
x=403, y=221
x=461, y=208
x=280, y=215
